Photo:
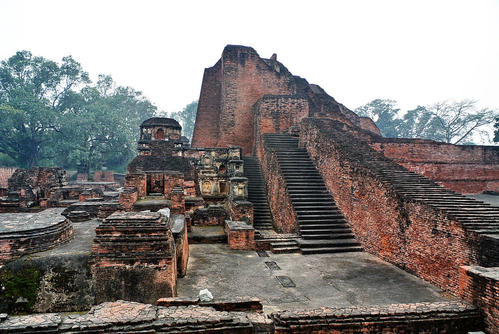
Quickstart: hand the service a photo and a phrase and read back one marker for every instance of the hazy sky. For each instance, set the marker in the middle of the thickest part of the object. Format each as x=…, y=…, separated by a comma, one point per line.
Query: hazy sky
x=415, y=52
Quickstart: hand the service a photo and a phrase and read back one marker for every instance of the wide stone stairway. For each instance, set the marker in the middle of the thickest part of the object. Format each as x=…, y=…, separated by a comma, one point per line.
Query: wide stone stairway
x=323, y=227
x=257, y=194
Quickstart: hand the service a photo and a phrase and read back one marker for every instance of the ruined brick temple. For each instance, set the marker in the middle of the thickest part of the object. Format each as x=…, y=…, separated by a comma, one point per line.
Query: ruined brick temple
x=292, y=209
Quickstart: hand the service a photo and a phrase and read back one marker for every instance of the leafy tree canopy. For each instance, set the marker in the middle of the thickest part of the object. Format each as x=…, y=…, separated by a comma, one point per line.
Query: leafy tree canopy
x=52, y=114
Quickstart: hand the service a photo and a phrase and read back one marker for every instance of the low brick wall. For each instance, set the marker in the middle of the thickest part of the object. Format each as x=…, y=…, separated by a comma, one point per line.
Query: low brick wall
x=450, y=317
x=185, y=316
x=412, y=235
x=480, y=286
x=280, y=204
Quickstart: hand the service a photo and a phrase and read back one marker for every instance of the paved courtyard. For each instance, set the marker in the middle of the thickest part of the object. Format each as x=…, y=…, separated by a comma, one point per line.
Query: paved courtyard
x=321, y=280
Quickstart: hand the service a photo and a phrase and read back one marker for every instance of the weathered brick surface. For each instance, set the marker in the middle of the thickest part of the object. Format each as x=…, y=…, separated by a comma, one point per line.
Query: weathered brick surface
x=179, y=231
x=212, y=215
x=240, y=235
x=415, y=236
x=103, y=176
x=5, y=174
x=284, y=217
x=128, y=197
x=134, y=258
x=480, y=286
x=429, y=318
x=127, y=317
x=278, y=113
x=241, y=211
x=187, y=317
x=26, y=233
x=466, y=169
x=238, y=80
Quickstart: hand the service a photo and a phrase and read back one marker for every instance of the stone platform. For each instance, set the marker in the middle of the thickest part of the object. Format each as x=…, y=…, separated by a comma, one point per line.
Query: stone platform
x=322, y=280
x=26, y=233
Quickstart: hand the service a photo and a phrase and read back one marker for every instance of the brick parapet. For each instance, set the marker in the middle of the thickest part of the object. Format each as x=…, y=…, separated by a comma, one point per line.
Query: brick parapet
x=443, y=317
x=284, y=217
x=480, y=286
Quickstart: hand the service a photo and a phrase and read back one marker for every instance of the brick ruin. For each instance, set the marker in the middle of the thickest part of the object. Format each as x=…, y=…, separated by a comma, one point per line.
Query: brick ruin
x=397, y=198
x=276, y=164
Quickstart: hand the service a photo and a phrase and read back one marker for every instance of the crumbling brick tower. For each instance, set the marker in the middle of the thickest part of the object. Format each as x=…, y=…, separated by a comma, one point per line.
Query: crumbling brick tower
x=238, y=80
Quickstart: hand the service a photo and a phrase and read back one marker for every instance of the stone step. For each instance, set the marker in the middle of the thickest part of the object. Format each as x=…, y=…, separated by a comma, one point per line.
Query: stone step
x=324, y=250
x=346, y=235
x=285, y=250
x=327, y=243
x=324, y=228
x=333, y=221
x=314, y=216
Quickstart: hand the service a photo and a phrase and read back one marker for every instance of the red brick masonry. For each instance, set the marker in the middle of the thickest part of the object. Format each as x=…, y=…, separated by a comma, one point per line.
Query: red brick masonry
x=480, y=286
x=240, y=235
x=417, y=237
x=466, y=169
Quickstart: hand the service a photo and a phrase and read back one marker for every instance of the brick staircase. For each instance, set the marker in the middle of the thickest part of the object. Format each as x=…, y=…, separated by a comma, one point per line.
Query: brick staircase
x=474, y=215
x=323, y=228
x=257, y=194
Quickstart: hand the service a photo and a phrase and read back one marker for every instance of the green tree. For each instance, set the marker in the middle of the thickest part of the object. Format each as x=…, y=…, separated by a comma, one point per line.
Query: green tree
x=187, y=118
x=52, y=114
x=33, y=93
x=103, y=127
x=384, y=113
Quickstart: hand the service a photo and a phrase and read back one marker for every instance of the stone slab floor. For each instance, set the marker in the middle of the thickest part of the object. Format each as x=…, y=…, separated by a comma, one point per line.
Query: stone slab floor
x=321, y=280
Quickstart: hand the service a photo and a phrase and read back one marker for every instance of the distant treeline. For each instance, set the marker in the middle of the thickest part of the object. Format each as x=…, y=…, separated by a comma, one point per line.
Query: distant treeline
x=458, y=122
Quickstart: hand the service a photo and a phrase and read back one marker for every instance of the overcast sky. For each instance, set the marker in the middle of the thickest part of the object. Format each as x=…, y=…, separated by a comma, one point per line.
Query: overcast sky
x=415, y=52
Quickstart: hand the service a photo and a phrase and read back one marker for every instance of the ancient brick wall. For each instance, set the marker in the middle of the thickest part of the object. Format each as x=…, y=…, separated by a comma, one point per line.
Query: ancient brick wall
x=5, y=174
x=467, y=169
x=133, y=258
x=480, y=286
x=412, y=235
x=103, y=176
x=137, y=181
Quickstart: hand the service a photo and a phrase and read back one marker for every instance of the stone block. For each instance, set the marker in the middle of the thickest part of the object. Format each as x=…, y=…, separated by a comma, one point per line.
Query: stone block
x=240, y=235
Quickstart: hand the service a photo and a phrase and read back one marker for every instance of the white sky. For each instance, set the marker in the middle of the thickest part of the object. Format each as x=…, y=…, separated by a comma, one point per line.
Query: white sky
x=415, y=52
